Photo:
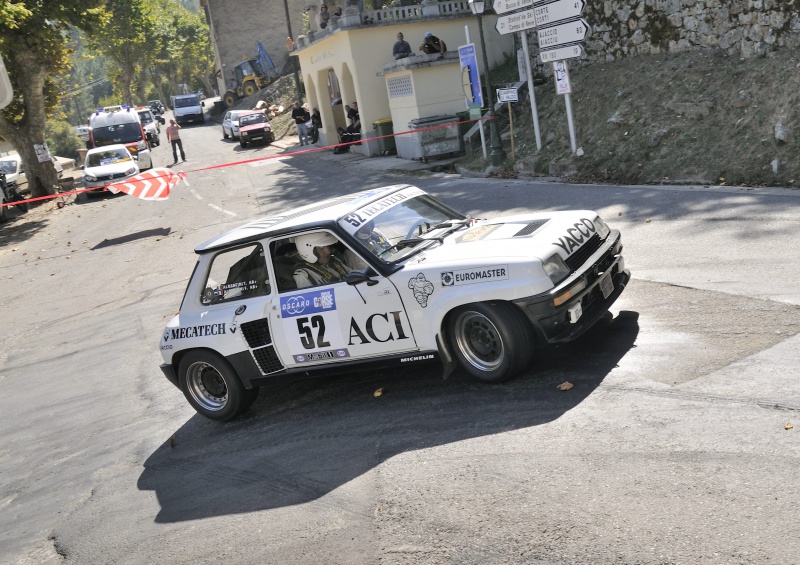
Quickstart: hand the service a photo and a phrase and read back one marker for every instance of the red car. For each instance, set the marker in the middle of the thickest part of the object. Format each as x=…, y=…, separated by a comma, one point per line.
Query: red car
x=254, y=126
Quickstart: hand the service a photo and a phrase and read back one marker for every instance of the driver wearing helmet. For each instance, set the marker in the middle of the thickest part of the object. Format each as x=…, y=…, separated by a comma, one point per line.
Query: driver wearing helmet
x=319, y=266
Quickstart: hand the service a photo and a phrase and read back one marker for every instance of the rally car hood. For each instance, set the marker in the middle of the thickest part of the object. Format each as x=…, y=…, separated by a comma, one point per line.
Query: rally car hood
x=517, y=237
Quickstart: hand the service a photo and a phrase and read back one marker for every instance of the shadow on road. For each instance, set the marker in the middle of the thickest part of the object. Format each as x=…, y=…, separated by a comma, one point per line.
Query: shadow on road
x=155, y=232
x=302, y=440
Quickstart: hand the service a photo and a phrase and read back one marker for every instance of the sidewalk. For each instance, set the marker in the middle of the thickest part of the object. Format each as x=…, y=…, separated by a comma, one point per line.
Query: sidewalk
x=377, y=163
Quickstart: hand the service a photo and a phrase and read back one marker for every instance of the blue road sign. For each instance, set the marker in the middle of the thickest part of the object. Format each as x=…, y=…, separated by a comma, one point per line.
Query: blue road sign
x=470, y=77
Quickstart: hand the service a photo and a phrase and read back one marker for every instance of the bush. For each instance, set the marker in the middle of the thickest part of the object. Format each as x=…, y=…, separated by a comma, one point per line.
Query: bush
x=62, y=140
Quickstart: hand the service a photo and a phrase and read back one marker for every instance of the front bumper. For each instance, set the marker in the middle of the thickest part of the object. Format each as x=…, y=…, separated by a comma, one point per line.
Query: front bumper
x=552, y=322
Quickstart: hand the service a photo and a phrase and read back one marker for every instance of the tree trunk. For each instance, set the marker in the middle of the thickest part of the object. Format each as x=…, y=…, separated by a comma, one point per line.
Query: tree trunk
x=207, y=85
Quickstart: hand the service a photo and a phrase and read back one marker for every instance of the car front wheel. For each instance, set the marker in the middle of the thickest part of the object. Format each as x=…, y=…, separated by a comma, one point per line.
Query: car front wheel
x=492, y=341
x=242, y=142
x=212, y=387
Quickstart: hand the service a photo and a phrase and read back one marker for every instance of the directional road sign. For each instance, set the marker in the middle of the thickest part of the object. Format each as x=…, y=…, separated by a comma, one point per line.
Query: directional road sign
x=518, y=21
x=507, y=95
x=560, y=53
x=503, y=6
x=557, y=11
x=569, y=32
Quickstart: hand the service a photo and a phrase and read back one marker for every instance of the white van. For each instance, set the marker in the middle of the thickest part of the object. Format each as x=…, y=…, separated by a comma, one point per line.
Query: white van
x=120, y=124
x=188, y=108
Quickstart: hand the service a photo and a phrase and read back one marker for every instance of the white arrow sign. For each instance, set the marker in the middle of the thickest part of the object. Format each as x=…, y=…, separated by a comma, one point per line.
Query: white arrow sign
x=557, y=11
x=513, y=23
x=568, y=52
x=503, y=6
x=570, y=32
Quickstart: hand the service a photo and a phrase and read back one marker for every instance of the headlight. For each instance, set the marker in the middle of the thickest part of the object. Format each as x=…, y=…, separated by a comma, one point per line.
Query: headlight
x=556, y=269
x=130, y=171
x=601, y=227
x=90, y=178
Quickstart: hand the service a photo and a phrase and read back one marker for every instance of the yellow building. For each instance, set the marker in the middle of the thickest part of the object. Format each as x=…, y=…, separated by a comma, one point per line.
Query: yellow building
x=351, y=61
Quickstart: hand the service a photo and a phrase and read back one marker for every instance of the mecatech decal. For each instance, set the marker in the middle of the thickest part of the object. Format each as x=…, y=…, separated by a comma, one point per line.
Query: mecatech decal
x=307, y=303
x=422, y=289
x=378, y=328
x=576, y=235
x=476, y=275
x=195, y=331
x=351, y=222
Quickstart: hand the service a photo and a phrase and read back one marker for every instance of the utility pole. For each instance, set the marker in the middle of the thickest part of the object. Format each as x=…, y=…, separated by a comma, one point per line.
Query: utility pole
x=294, y=59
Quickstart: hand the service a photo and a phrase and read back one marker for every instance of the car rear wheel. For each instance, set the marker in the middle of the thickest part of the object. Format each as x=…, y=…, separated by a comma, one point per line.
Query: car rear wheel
x=212, y=387
x=492, y=341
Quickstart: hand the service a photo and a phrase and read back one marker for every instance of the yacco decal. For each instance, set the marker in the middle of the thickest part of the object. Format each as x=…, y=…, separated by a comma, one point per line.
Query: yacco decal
x=307, y=303
x=476, y=275
x=477, y=234
x=322, y=355
x=378, y=328
x=194, y=331
x=351, y=222
x=422, y=289
x=576, y=234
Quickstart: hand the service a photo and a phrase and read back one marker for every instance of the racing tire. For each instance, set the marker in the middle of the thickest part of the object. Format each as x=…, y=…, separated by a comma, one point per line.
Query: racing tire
x=249, y=89
x=212, y=387
x=492, y=341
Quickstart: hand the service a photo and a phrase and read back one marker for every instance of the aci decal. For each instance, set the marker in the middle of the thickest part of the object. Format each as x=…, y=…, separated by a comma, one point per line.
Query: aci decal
x=378, y=328
x=195, y=331
x=322, y=355
x=308, y=303
x=476, y=275
x=576, y=235
x=422, y=288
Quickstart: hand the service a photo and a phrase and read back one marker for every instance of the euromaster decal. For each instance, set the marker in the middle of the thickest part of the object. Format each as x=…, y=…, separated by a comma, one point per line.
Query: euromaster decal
x=308, y=303
x=477, y=275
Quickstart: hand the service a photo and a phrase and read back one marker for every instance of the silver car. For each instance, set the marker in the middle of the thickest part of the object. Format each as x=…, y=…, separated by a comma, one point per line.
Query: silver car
x=230, y=124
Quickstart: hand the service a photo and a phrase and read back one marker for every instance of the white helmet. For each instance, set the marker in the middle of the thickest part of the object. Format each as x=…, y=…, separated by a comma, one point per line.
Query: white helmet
x=307, y=242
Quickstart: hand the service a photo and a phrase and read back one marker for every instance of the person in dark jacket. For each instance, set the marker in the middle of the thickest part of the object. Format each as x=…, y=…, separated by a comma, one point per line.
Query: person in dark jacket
x=432, y=45
x=401, y=48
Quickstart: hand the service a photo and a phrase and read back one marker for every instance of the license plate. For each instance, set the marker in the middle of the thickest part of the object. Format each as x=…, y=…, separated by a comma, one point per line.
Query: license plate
x=606, y=285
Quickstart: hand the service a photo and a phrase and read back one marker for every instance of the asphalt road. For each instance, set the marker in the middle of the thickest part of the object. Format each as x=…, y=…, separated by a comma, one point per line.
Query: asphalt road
x=672, y=446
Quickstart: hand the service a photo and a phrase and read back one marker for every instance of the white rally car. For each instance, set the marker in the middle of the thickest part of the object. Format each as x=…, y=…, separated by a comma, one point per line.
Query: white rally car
x=409, y=280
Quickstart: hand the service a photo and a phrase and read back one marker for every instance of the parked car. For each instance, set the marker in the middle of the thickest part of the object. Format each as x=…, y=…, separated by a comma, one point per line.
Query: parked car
x=151, y=125
x=14, y=169
x=10, y=193
x=106, y=165
x=254, y=126
x=230, y=123
x=417, y=282
x=82, y=132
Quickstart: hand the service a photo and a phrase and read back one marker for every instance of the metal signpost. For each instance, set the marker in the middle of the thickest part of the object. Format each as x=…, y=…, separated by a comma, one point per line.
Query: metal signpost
x=503, y=6
x=561, y=34
x=558, y=11
x=518, y=21
x=471, y=80
x=509, y=95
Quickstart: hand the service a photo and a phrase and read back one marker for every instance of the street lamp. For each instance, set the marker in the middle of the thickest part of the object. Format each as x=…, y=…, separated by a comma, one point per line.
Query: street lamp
x=498, y=155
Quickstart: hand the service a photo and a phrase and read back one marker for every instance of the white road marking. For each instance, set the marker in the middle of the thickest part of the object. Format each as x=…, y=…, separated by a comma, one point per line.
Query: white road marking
x=215, y=207
x=195, y=194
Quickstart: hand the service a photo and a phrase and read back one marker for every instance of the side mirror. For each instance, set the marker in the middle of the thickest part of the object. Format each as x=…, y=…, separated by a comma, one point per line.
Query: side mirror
x=357, y=277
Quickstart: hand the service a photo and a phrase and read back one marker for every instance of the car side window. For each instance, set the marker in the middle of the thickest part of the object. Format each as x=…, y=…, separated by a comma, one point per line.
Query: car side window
x=235, y=274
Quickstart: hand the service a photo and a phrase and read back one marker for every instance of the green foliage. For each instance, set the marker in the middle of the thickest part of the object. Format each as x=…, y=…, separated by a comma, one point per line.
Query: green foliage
x=61, y=139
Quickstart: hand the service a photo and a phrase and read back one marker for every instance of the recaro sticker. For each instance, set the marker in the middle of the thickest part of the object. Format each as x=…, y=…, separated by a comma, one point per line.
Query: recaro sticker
x=476, y=275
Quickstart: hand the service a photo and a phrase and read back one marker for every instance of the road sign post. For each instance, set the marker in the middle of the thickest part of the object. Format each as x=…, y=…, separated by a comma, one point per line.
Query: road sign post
x=556, y=11
x=562, y=34
x=503, y=6
x=518, y=21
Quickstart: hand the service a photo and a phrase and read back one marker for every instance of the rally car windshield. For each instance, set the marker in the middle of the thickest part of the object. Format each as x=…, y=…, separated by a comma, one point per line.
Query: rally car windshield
x=402, y=229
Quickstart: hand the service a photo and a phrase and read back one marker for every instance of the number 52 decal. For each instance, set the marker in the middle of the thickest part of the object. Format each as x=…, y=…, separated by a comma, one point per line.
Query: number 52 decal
x=306, y=327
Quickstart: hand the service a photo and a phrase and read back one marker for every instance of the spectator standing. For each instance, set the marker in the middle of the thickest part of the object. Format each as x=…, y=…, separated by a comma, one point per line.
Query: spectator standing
x=301, y=116
x=174, y=137
x=401, y=48
x=324, y=16
x=354, y=117
x=432, y=45
x=316, y=125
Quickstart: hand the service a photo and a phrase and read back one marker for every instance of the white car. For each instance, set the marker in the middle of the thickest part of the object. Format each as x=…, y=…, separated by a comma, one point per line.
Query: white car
x=230, y=123
x=409, y=280
x=106, y=165
x=151, y=125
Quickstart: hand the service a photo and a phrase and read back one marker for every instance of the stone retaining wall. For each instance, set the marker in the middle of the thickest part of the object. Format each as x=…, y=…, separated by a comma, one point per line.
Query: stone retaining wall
x=747, y=28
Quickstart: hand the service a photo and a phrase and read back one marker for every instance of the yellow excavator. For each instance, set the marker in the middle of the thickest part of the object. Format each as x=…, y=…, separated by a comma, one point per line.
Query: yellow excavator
x=250, y=77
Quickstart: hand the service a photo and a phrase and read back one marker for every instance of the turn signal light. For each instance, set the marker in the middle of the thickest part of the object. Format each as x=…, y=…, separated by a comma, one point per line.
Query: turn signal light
x=568, y=294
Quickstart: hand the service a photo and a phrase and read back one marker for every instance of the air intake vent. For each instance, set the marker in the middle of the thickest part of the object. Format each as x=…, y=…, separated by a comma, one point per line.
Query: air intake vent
x=256, y=333
x=578, y=258
x=530, y=228
x=267, y=360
